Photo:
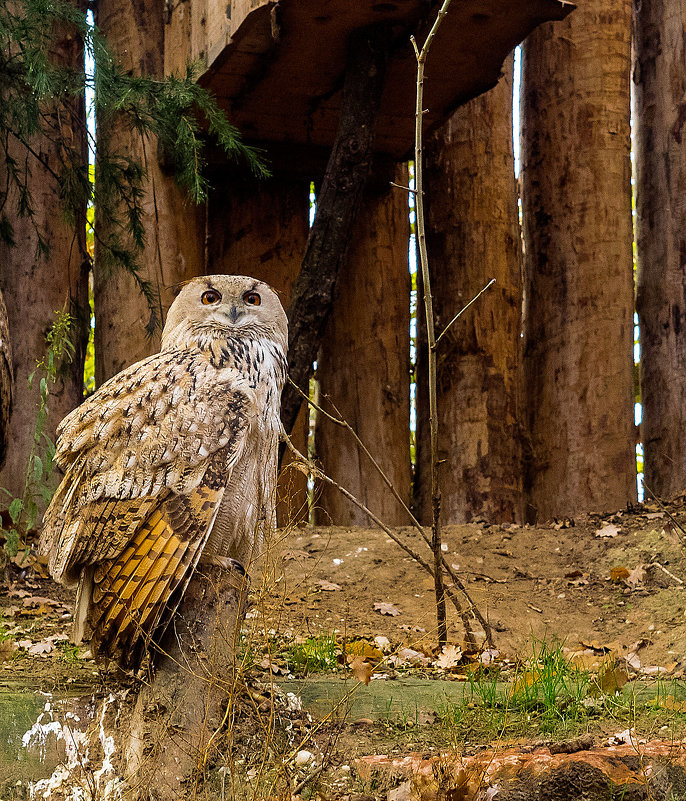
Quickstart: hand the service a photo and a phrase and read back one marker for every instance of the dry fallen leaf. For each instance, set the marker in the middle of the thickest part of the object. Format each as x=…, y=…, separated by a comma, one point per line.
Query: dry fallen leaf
x=450, y=657
x=274, y=667
x=362, y=670
x=327, y=586
x=42, y=647
x=603, y=647
x=619, y=573
x=611, y=678
x=386, y=609
x=40, y=600
x=658, y=670
x=7, y=648
x=633, y=661
x=489, y=656
x=671, y=703
x=408, y=656
x=364, y=650
x=23, y=559
x=587, y=659
x=636, y=576
x=608, y=530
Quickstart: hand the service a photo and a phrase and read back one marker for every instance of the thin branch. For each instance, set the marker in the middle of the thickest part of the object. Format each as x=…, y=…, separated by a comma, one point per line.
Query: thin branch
x=430, y=334
x=340, y=421
x=664, y=509
x=317, y=473
x=464, y=309
x=402, y=186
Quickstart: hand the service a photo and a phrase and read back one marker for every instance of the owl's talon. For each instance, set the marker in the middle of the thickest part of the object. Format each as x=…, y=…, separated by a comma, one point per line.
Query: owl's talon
x=226, y=562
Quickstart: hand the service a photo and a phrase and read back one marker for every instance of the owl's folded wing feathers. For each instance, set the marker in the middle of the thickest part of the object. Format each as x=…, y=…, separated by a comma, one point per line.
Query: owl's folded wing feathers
x=150, y=431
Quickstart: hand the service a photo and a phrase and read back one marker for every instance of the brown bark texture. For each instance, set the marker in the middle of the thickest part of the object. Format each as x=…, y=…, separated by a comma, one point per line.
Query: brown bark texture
x=177, y=723
x=363, y=367
x=260, y=229
x=473, y=236
x=660, y=113
x=36, y=286
x=578, y=312
x=174, y=226
x=338, y=203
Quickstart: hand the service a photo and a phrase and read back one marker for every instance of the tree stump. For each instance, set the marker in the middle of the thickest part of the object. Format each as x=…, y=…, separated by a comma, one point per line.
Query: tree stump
x=180, y=712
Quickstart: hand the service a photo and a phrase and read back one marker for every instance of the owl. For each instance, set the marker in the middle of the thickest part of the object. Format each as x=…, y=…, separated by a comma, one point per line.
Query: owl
x=171, y=463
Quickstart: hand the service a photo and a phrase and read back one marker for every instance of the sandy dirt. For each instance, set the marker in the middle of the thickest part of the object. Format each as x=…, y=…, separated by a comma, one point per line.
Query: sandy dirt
x=553, y=582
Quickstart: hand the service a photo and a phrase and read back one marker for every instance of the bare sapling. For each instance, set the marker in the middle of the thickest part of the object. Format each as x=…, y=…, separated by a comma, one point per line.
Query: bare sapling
x=432, y=340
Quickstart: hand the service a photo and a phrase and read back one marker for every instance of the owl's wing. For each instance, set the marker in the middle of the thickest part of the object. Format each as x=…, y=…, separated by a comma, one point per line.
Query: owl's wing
x=148, y=433
x=125, y=598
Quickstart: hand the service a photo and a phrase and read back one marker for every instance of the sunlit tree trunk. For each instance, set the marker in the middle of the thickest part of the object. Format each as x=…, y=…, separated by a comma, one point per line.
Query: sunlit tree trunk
x=260, y=229
x=578, y=316
x=174, y=226
x=473, y=236
x=363, y=366
x=660, y=114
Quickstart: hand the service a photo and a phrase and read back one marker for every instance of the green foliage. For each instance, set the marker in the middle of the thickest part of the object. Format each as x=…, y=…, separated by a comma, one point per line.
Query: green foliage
x=38, y=484
x=316, y=654
x=41, y=98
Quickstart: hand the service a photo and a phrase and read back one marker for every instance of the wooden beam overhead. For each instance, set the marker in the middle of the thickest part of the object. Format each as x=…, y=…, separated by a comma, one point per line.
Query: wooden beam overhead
x=277, y=67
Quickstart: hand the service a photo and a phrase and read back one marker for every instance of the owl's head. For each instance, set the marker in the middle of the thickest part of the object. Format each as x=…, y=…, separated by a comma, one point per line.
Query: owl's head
x=225, y=306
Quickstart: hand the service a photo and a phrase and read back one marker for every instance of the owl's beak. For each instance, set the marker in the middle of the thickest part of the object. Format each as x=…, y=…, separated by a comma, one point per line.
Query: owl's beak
x=234, y=314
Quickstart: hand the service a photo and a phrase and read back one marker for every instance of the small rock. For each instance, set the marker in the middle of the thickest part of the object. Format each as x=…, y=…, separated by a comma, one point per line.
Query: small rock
x=303, y=758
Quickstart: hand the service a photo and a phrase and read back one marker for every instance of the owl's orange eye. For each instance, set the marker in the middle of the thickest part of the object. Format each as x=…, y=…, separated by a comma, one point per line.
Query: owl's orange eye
x=252, y=298
x=210, y=297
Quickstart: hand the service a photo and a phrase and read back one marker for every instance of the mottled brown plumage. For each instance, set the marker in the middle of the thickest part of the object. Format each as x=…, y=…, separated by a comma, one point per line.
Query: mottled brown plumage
x=171, y=461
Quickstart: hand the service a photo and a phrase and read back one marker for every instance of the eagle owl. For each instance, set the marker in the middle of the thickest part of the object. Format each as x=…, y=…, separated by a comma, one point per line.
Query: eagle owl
x=171, y=462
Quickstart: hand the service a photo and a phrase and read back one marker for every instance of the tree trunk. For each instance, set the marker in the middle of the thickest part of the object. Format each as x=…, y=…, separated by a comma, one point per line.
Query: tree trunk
x=473, y=236
x=338, y=203
x=578, y=314
x=364, y=366
x=174, y=226
x=35, y=286
x=176, y=725
x=261, y=229
x=660, y=113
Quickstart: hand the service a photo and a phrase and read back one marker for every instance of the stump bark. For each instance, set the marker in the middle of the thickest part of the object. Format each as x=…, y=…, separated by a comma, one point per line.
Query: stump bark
x=180, y=712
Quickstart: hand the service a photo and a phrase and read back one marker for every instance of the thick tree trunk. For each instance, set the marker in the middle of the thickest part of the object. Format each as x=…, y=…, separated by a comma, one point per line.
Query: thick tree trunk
x=177, y=722
x=578, y=314
x=35, y=286
x=174, y=227
x=261, y=229
x=364, y=366
x=473, y=236
x=660, y=113
x=338, y=203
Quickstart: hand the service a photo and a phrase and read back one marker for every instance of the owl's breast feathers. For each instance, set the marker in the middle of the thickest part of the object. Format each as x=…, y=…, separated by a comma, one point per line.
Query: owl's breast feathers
x=147, y=460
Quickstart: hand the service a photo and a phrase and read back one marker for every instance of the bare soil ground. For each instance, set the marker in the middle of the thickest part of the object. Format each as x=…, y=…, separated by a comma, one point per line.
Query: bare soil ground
x=542, y=583
x=604, y=587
